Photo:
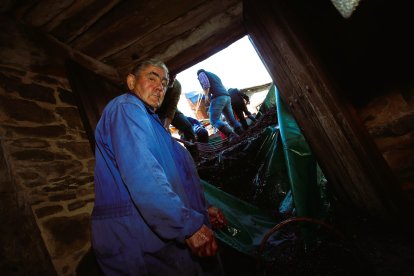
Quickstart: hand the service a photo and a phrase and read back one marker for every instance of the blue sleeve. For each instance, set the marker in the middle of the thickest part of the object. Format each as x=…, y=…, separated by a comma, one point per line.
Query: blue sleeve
x=194, y=121
x=133, y=136
x=205, y=84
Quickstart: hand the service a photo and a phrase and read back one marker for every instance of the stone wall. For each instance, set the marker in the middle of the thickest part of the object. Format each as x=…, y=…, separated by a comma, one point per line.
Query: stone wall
x=44, y=145
x=50, y=160
x=390, y=120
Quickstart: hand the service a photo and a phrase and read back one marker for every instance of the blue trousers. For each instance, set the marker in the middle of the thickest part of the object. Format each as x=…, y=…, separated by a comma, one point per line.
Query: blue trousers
x=222, y=105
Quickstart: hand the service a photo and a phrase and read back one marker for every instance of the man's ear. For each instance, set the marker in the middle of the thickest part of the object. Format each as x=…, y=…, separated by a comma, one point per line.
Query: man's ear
x=131, y=81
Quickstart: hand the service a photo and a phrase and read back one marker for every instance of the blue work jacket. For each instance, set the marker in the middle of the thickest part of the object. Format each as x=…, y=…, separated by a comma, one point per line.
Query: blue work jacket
x=148, y=196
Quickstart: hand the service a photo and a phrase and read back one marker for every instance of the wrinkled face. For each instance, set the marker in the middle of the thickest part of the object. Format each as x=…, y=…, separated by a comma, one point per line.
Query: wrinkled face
x=150, y=85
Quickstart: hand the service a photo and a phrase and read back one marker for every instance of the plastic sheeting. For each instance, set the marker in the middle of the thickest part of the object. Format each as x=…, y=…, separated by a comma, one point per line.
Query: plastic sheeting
x=255, y=171
x=269, y=102
x=263, y=178
x=301, y=164
x=247, y=224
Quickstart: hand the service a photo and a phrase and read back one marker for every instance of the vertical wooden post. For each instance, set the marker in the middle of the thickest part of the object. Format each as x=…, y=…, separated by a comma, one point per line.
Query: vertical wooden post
x=353, y=165
x=92, y=93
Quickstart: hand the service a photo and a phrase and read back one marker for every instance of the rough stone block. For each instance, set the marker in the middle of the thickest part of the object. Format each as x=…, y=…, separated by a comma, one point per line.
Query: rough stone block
x=12, y=71
x=39, y=155
x=30, y=91
x=70, y=234
x=91, y=165
x=22, y=110
x=56, y=169
x=71, y=116
x=66, y=96
x=76, y=205
x=85, y=180
x=48, y=211
x=28, y=174
x=46, y=79
x=62, y=197
x=50, y=131
x=81, y=150
x=29, y=143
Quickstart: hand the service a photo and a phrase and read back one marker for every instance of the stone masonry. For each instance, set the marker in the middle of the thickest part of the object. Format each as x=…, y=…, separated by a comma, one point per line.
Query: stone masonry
x=390, y=121
x=50, y=159
x=46, y=190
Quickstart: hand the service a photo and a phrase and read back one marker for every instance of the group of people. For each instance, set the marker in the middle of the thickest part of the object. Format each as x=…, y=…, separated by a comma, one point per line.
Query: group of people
x=225, y=102
x=222, y=102
x=150, y=215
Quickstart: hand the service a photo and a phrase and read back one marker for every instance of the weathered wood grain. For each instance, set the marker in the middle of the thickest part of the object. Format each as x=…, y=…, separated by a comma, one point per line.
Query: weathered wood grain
x=207, y=47
x=352, y=164
x=44, y=11
x=184, y=31
x=128, y=22
x=78, y=18
x=222, y=29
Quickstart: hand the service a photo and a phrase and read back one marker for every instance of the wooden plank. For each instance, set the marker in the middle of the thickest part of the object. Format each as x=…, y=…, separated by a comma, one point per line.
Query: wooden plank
x=20, y=9
x=195, y=44
x=78, y=18
x=352, y=164
x=92, y=93
x=192, y=23
x=45, y=10
x=42, y=53
x=205, y=48
x=126, y=23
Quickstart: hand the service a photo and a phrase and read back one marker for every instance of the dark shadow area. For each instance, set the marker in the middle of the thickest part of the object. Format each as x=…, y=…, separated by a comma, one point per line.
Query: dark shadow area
x=88, y=266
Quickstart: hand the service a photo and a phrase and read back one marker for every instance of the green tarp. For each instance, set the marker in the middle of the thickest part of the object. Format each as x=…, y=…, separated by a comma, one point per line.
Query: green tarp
x=301, y=164
x=273, y=168
x=247, y=224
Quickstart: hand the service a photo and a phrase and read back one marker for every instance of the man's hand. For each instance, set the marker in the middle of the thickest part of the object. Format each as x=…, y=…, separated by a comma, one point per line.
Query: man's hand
x=217, y=218
x=166, y=123
x=206, y=93
x=202, y=243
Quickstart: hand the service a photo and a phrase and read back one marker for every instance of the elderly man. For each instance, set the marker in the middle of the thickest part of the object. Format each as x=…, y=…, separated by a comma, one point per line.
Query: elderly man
x=150, y=216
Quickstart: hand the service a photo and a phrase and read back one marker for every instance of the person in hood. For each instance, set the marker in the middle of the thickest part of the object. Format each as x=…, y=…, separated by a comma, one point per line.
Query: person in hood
x=220, y=103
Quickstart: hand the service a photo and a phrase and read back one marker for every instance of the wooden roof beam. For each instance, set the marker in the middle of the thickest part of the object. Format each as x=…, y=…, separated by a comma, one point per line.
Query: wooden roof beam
x=353, y=165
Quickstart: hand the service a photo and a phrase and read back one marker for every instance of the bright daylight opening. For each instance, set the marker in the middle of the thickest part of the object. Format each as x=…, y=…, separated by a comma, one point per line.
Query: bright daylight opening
x=238, y=66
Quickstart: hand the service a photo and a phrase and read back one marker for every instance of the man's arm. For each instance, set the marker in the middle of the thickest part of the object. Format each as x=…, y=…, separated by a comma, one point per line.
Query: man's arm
x=245, y=97
x=175, y=92
x=205, y=84
x=202, y=243
x=216, y=217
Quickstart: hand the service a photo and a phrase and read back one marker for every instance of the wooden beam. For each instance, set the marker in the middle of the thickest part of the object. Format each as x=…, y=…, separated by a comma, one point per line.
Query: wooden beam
x=45, y=11
x=102, y=69
x=92, y=93
x=126, y=23
x=78, y=18
x=353, y=165
x=213, y=44
x=196, y=43
x=192, y=27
